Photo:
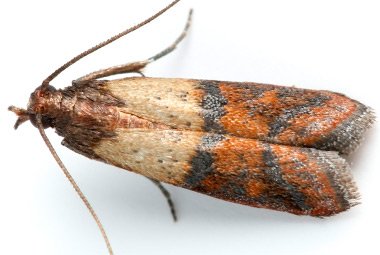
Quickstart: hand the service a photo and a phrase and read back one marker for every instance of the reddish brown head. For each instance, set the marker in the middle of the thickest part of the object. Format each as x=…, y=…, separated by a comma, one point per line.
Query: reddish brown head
x=44, y=101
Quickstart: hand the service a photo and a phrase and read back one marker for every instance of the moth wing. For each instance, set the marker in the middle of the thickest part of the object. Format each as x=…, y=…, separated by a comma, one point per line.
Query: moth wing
x=297, y=180
x=319, y=119
x=283, y=115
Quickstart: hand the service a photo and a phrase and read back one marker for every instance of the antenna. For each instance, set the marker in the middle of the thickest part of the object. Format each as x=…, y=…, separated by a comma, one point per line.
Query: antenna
x=40, y=127
x=72, y=181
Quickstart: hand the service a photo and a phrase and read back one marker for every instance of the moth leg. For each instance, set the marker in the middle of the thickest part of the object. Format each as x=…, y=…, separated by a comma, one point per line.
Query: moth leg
x=141, y=73
x=166, y=194
x=136, y=67
x=176, y=42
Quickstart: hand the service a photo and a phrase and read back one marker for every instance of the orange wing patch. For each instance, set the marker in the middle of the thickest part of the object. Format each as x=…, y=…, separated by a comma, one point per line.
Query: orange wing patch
x=285, y=178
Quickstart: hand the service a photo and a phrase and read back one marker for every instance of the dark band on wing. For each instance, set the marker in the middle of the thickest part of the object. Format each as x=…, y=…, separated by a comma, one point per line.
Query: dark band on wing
x=213, y=103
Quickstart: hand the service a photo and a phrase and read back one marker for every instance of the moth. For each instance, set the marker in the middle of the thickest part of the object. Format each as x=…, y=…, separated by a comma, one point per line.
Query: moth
x=260, y=145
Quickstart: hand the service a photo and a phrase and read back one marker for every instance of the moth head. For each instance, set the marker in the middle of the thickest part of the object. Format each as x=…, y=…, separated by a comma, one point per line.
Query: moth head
x=43, y=102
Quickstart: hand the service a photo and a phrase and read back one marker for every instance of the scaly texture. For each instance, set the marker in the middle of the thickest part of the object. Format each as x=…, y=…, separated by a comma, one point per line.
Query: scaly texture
x=261, y=145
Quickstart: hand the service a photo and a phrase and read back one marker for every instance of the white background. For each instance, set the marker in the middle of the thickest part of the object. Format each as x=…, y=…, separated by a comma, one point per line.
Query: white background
x=330, y=45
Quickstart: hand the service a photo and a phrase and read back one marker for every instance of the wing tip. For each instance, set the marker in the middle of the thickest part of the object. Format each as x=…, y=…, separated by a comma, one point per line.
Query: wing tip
x=341, y=180
x=347, y=137
x=362, y=121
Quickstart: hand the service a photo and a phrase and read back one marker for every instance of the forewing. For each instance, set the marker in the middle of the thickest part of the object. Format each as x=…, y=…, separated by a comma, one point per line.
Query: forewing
x=283, y=115
x=247, y=171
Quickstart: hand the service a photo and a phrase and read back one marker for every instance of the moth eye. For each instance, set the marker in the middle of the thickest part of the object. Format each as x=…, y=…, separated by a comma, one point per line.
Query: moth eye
x=40, y=93
x=40, y=109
